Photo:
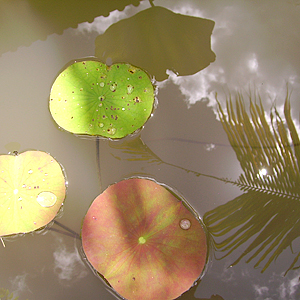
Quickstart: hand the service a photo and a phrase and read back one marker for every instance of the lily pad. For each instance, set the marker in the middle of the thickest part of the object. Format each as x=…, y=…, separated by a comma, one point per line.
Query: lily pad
x=143, y=240
x=32, y=190
x=91, y=98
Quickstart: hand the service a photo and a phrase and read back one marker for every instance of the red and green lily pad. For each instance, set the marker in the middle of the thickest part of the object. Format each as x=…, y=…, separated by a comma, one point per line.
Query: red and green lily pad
x=91, y=98
x=32, y=190
x=144, y=241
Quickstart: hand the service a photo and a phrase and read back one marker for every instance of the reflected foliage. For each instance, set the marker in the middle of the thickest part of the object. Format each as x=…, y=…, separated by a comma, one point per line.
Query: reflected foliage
x=25, y=21
x=6, y=295
x=189, y=295
x=269, y=209
x=156, y=39
x=136, y=150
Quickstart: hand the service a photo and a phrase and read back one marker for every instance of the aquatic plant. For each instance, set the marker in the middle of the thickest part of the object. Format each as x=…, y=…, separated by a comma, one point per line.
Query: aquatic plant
x=91, y=98
x=138, y=235
x=32, y=186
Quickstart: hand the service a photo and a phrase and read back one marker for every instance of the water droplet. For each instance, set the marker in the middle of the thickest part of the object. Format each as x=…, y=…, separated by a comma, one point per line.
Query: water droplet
x=113, y=86
x=20, y=198
x=16, y=191
x=94, y=218
x=100, y=104
x=101, y=84
x=129, y=89
x=46, y=199
x=91, y=125
x=123, y=108
x=30, y=171
x=24, y=186
x=185, y=224
x=101, y=125
x=101, y=98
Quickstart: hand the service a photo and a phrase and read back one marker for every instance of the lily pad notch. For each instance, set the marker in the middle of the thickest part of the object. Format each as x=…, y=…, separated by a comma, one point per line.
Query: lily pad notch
x=144, y=241
x=32, y=191
x=91, y=98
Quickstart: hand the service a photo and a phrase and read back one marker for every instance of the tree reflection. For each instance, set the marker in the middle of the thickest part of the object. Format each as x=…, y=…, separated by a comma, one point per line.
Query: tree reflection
x=189, y=295
x=156, y=39
x=269, y=154
x=269, y=209
x=25, y=21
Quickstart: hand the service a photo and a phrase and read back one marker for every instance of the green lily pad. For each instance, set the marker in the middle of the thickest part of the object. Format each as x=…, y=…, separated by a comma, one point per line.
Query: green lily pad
x=91, y=98
x=32, y=190
x=144, y=241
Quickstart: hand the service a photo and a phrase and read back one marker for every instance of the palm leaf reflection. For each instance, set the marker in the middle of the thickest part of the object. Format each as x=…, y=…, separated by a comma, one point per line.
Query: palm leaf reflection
x=269, y=209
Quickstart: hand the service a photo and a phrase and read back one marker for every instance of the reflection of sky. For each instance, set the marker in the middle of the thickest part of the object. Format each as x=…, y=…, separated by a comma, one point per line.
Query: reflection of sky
x=68, y=265
x=243, y=283
x=256, y=48
x=19, y=284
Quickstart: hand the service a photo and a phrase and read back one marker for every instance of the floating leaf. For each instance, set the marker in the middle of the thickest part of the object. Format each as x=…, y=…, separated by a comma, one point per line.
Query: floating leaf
x=157, y=39
x=92, y=98
x=144, y=241
x=32, y=189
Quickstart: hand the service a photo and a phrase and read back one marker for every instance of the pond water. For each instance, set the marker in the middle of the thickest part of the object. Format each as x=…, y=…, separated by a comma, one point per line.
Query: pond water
x=241, y=174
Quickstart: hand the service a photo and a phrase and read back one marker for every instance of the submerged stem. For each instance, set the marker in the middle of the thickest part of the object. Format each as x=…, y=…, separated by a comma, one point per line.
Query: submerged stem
x=69, y=232
x=98, y=161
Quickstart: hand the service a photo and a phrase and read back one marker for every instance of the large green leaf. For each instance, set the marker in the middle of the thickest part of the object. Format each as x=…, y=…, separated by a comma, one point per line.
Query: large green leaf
x=32, y=190
x=144, y=241
x=91, y=98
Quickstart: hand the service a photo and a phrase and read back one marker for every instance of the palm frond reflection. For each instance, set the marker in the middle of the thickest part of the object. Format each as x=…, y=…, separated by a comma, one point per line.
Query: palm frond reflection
x=269, y=209
x=267, y=214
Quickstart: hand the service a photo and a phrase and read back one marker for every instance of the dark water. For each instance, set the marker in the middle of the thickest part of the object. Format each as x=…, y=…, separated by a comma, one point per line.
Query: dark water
x=216, y=163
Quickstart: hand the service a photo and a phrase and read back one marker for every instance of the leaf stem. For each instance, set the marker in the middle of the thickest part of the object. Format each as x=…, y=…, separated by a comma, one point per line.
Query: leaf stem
x=70, y=232
x=98, y=161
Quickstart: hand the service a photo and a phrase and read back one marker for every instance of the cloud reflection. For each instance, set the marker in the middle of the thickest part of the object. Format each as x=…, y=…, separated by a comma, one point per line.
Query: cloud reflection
x=282, y=288
x=68, y=265
x=250, y=51
x=19, y=284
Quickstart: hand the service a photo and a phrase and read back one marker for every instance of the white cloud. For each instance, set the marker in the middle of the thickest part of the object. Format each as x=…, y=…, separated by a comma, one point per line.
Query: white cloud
x=278, y=287
x=68, y=265
x=228, y=274
x=19, y=284
x=100, y=24
x=260, y=291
